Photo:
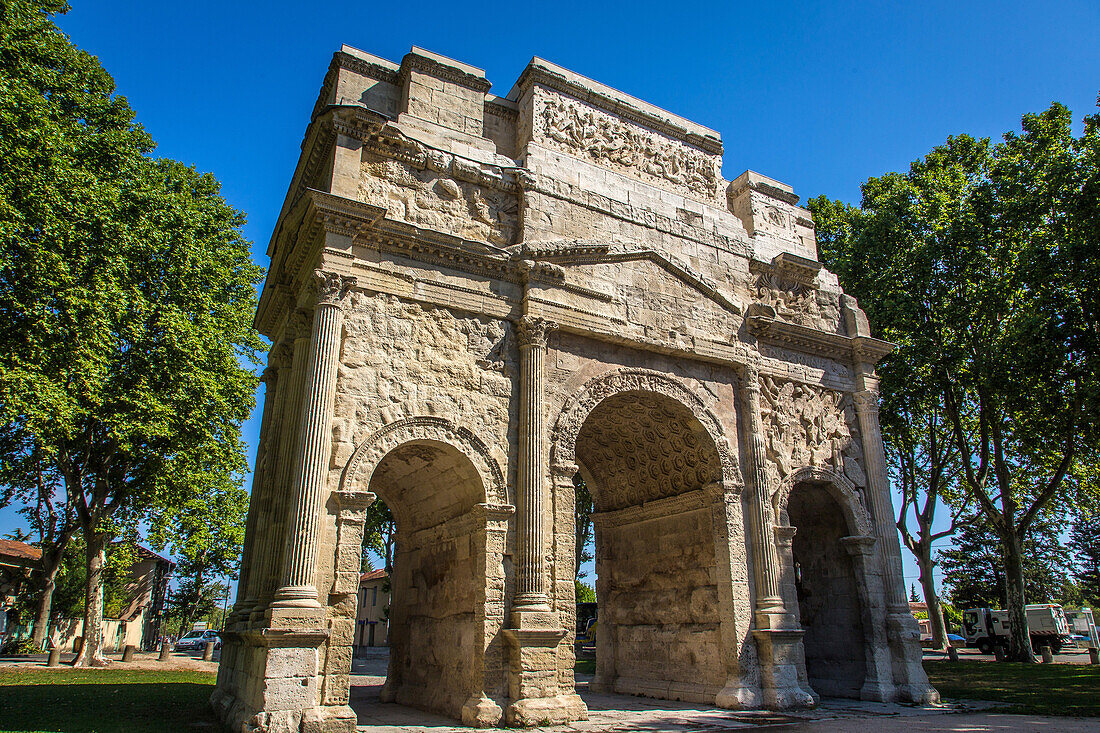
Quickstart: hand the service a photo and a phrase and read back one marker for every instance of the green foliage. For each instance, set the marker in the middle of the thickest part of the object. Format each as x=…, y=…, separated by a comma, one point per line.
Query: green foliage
x=1085, y=545
x=974, y=570
x=126, y=290
x=583, y=508
x=379, y=533
x=585, y=592
x=983, y=264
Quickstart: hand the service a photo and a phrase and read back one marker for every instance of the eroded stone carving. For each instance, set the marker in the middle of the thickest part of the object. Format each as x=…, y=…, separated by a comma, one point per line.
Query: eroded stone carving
x=427, y=197
x=576, y=127
x=808, y=426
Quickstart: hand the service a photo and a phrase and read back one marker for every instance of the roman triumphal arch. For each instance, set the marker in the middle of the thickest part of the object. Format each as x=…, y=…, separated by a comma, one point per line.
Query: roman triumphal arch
x=477, y=301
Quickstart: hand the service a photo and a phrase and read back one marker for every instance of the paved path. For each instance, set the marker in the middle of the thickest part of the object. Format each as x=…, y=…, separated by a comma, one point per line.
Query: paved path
x=609, y=713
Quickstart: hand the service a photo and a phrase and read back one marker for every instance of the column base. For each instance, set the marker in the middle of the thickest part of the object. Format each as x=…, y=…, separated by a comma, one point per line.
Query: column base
x=780, y=658
x=738, y=696
x=540, y=711
x=910, y=681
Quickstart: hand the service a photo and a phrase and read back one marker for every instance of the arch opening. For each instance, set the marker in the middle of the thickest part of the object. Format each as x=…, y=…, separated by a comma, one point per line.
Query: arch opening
x=826, y=586
x=648, y=462
x=437, y=584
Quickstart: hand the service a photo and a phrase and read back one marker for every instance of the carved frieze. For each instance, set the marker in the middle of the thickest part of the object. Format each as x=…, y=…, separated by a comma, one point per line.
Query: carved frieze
x=808, y=426
x=435, y=197
x=574, y=127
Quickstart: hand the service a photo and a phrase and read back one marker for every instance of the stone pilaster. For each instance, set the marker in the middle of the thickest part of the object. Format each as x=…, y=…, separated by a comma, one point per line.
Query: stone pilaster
x=778, y=638
x=274, y=544
x=248, y=551
x=531, y=595
x=296, y=597
x=903, y=634
x=274, y=458
x=878, y=685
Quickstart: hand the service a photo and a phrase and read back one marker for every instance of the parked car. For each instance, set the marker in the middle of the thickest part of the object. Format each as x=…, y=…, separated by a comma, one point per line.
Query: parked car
x=196, y=640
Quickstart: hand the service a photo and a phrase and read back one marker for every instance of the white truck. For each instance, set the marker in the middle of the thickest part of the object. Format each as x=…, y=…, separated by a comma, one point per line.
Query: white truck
x=985, y=628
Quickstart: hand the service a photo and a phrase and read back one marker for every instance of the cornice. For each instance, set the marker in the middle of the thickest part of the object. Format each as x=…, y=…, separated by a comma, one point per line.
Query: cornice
x=810, y=340
x=766, y=189
x=592, y=253
x=446, y=72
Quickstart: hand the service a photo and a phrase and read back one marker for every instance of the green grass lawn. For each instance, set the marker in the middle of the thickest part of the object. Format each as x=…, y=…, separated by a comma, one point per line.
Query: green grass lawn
x=104, y=700
x=1039, y=689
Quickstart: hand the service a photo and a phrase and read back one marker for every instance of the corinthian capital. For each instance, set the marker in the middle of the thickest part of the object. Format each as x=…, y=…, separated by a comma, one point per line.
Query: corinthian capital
x=866, y=401
x=750, y=378
x=332, y=288
x=532, y=331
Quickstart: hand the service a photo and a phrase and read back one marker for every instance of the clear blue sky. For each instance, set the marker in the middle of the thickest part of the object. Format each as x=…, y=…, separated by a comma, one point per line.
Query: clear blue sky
x=818, y=95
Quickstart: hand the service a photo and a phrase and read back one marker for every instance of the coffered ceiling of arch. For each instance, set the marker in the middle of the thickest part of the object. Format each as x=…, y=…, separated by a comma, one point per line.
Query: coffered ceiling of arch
x=640, y=446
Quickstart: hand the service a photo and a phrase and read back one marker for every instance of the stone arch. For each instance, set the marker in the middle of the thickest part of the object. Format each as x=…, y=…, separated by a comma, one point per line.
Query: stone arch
x=449, y=502
x=665, y=488
x=579, y=406
x=360, y=467
x=842, y=490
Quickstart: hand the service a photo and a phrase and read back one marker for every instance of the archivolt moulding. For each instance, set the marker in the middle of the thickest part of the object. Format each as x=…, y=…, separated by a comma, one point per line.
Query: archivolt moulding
x=578, y=407
x=838, y=485
x=369, y=454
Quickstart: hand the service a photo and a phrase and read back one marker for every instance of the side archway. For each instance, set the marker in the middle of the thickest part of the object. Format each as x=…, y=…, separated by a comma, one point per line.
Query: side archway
x=843, y=491
x=448, y=498
x=363, y=462
x=826, y=547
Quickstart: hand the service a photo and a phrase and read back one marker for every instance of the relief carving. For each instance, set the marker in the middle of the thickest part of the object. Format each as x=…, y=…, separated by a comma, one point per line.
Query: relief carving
x=575, y=127
x=794, y=301
x=429, y=198
x=806, y=426
x=489, y=342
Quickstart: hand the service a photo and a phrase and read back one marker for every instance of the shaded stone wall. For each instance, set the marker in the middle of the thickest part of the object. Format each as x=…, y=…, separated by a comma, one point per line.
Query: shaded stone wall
x=828, y=600
x=661, y=605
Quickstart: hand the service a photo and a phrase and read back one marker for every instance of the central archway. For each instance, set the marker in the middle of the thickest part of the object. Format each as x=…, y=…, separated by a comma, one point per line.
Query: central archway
x=656, y=464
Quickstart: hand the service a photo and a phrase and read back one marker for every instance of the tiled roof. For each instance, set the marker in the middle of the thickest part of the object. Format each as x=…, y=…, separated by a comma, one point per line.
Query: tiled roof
x=14, y=548
x=372, y=575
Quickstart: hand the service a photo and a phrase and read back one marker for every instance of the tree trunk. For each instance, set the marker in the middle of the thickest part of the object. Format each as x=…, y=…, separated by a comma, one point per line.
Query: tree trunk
x=51, y=563
x=92, y=654
x=1019, y=642
x=932, y=600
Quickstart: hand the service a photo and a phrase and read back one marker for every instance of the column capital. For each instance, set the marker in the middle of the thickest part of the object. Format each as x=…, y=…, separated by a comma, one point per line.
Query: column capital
x=279, y=357
x=866, y=401
x=332, y=288
x=533, y=331
x=750, y=377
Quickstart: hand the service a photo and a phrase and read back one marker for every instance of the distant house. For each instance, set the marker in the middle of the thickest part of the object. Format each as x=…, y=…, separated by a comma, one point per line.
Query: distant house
x=920, y=613
x=372, y=617
x=140, y=621
x=19, y=563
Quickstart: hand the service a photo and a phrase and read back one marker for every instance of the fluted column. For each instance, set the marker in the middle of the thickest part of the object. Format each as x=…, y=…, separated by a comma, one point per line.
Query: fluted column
x=878, y=495
x=299, y=330
x=530, y=540
x=297, y=588
x=769, y=597
x=263, y=496
x=248, y=551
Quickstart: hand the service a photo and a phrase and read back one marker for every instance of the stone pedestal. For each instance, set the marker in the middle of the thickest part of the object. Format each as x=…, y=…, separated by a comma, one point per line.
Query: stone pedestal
x=781, y=657
x=533, y=683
